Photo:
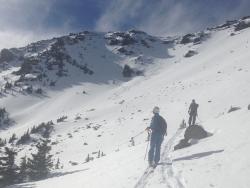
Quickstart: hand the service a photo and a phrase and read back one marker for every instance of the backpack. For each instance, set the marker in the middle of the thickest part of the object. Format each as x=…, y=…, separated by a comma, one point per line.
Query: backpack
x=160, y=125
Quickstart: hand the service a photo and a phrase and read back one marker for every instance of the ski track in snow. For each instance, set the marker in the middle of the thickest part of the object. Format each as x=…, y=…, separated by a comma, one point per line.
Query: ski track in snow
x=168, y=176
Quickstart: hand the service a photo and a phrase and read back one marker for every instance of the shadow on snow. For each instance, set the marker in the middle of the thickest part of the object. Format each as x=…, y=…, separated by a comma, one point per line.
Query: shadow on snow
x=198, y=155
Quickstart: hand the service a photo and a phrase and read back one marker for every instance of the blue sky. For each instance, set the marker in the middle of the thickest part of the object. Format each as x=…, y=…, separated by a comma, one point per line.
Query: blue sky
x=23, y=21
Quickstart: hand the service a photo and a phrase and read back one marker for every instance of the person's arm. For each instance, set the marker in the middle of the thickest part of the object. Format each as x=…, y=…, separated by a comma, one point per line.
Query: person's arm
x=150, y=126
x=166, y=128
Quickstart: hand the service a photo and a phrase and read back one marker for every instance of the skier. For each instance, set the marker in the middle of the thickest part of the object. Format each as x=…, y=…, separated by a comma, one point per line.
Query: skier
x=157, y=129
x=192, y=112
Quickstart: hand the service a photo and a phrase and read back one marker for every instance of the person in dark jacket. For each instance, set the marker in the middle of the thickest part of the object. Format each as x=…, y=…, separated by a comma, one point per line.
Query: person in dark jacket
x=158, y=128
x=192, y=111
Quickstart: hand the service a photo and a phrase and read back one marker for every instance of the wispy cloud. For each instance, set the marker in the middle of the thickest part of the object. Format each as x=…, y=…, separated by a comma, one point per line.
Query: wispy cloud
x=117, y=13
x=23, y=21
x=169, y=17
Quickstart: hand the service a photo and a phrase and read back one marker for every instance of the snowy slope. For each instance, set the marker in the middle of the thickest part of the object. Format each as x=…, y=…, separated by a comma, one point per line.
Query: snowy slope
x=116, y=109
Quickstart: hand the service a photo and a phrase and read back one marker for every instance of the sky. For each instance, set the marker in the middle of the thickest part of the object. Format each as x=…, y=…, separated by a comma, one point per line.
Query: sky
x=25, y=21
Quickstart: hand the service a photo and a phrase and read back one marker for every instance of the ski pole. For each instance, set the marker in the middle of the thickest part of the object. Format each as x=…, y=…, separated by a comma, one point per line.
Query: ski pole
x=199, y=119
x=149, y=135
x=138, y=134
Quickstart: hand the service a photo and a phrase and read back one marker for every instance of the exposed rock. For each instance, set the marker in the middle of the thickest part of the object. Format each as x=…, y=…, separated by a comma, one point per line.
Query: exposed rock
x=168, y=42
x=243, y=24
x=226, y=25
x=27, y=66
x=232, y=109
x=190, y=53
x=144, y=43
x=127, y=71
x=122, y=101
x=192, y=134
x=194, y=38
x=137, y=32
x=187, y=38
x=195, y=132
x=124, y=51
x=73, y=163
x=248, y=107
x=120, y=38
x=143, y=60
x=6, y=56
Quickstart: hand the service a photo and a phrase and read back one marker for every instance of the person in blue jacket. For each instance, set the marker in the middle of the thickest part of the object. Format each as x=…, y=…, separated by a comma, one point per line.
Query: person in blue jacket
x=157, y=129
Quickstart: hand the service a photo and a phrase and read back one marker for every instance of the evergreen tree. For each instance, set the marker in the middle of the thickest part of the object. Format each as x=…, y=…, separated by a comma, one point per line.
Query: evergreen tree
x=87, y=159
x=8, y=85
x=24, y=138
x=23, y=173
x=41, y=163
x=4, y=117
x=57, y=166
x=102, y=154
x=8, y=169
x=12, y=138
x=2, y=142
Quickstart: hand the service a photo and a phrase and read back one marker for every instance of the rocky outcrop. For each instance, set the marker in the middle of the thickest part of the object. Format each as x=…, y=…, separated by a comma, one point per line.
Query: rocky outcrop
x=194, y=38
x=6, y=56
x=243, y=24
x=190, y=53
x=120, y=38
x=233, y=108
x=193, y=132
x=128, y=72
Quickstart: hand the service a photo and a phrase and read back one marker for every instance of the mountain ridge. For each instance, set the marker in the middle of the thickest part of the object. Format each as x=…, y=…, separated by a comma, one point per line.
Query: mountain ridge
x=102, y=110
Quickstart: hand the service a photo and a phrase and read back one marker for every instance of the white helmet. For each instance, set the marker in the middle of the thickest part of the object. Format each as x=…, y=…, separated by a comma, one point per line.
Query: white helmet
x=156, y=110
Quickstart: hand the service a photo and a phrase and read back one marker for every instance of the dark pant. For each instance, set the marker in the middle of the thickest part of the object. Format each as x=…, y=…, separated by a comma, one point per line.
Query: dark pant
x=192, y=119
x=155, y=148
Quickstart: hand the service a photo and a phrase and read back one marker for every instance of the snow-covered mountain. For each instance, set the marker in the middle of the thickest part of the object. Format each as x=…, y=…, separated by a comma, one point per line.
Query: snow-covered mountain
x=99, y=90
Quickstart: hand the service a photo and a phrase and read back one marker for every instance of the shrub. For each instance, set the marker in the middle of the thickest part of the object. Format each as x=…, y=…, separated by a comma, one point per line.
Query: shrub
x=61, y=119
